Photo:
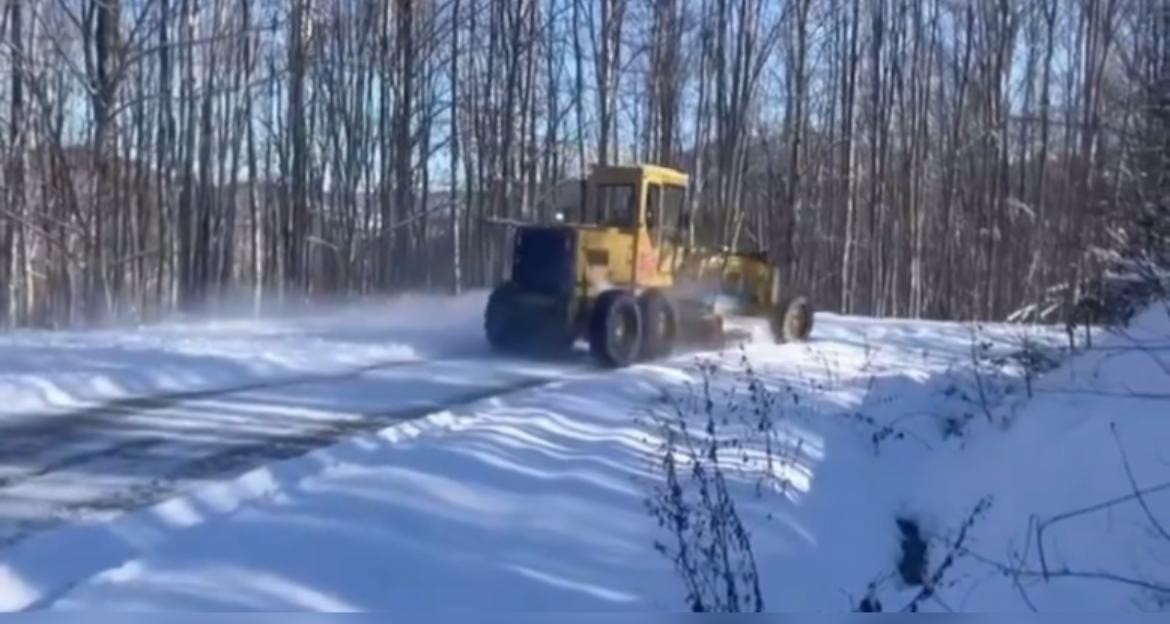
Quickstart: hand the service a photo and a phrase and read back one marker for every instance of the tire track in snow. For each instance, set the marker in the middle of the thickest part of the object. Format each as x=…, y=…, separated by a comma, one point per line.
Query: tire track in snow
x=45, y=435
x=147, y=466
x=35, y=425
x=41, y=434
x=239, y=458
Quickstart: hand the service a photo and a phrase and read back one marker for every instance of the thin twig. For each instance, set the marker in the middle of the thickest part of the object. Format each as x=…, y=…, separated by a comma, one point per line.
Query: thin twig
x=1066, y=573
x=936, y=578
x=1041, y=527
x=1142, y=396
x=983, y=401
x=1133, y=484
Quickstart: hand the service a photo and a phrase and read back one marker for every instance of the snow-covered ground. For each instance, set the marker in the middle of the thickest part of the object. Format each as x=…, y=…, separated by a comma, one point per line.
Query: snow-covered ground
x=1064, y=521
x=92, y=423
x=517, y=492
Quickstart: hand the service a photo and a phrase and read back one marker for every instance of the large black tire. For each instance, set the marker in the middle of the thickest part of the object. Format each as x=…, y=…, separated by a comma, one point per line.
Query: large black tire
x=794, y=321
x=615, y=328
x=659, y=325
x=499, y=319
x=512, y=329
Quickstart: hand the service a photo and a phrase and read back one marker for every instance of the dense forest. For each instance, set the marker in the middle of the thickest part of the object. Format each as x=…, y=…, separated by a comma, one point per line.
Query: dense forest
x=939, y=158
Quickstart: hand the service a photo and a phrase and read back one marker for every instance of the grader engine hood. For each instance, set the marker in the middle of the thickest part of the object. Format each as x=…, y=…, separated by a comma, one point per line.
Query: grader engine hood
x=543, y=260
x=728, y=283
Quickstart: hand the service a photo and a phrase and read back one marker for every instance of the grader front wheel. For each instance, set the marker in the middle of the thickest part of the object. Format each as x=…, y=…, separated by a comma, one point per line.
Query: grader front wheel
x=794, y=321
x=615, y=328
x=659, y=323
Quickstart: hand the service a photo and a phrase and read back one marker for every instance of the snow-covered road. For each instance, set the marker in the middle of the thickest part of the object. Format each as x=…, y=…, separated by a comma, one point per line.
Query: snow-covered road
x=94, y=424
x=138, y=451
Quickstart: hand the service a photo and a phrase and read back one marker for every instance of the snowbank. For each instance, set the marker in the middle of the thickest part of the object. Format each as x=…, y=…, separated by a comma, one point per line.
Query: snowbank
x=1068, y=454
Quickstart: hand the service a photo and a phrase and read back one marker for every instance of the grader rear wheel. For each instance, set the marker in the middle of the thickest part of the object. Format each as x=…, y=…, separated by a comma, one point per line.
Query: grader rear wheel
x=513, y=328
x=499, y=321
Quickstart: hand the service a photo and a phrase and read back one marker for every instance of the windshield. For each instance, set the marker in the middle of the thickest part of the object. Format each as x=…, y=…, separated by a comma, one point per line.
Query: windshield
x=664, y=209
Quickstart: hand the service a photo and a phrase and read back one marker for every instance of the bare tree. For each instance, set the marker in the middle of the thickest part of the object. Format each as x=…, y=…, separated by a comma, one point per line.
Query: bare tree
x=941, y=159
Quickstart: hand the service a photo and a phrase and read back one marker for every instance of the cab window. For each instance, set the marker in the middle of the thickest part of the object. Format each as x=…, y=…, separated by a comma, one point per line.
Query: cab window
x=616, y=205
x=673, y=198
x=664, y=210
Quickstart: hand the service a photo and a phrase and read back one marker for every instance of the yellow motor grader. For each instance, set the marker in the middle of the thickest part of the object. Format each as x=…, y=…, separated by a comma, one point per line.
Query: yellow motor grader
x=624, y=276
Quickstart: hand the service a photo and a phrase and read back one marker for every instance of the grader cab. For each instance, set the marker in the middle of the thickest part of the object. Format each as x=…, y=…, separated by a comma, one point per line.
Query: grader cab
x=624, y=275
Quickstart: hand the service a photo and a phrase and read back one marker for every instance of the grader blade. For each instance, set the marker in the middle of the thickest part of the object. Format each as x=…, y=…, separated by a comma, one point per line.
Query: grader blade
x=716, y=331
x=704, y=332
